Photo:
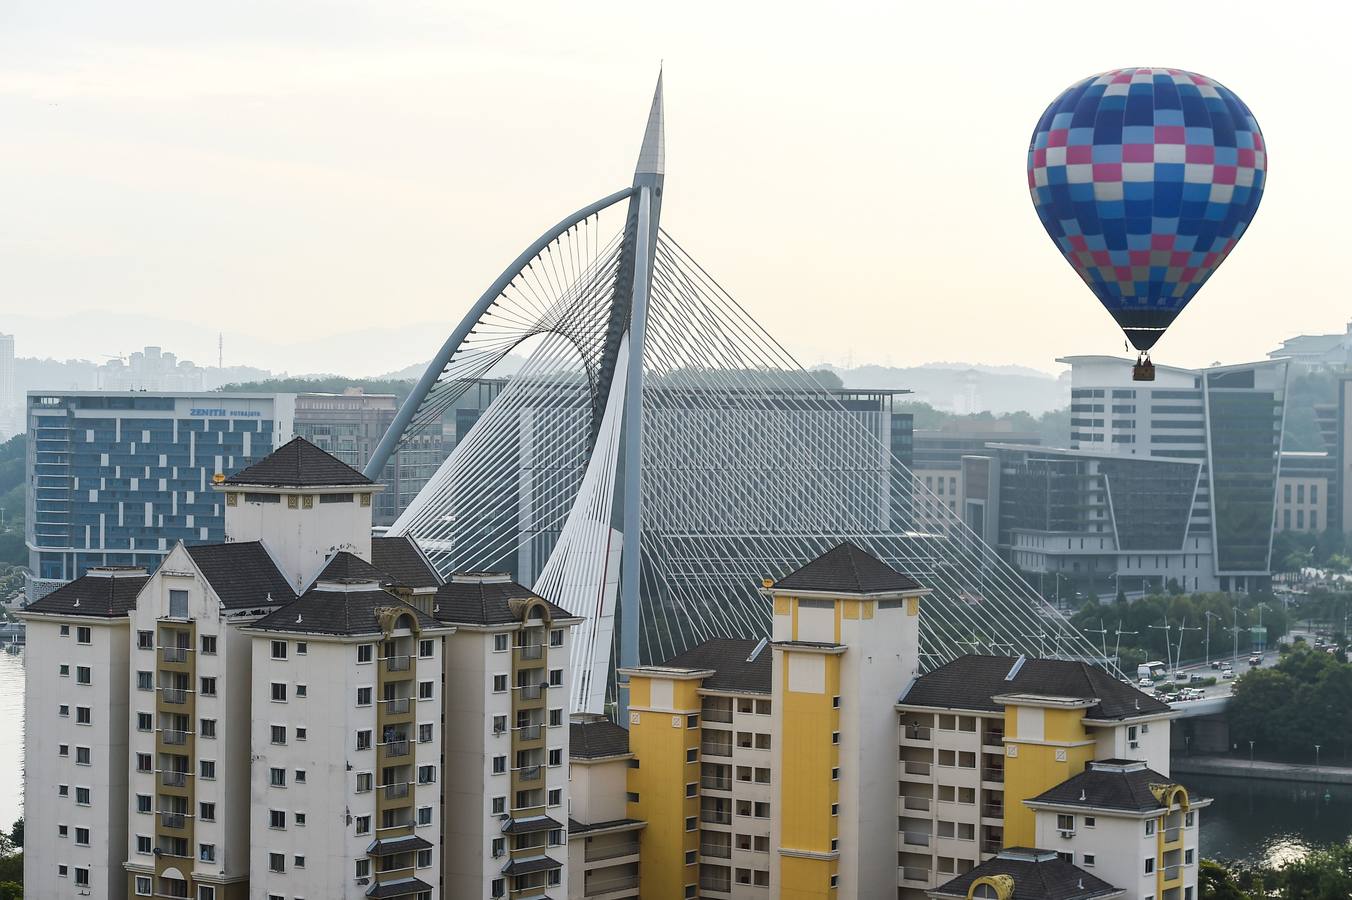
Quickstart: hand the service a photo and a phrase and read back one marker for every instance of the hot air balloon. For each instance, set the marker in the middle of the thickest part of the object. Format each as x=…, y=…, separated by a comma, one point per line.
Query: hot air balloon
x=1146, y=180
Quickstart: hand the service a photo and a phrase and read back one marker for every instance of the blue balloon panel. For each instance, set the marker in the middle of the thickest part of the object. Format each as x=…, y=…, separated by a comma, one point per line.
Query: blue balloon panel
x=1146, y=180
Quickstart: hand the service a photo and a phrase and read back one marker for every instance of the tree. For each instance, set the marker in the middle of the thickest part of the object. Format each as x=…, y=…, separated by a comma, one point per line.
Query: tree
x=1215, y=882
x=16, y=833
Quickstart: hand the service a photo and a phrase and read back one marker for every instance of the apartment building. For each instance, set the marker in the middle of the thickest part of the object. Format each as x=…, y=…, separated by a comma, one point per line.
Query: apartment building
x=75, y=767
x=603, y=842
x=346, y=700
x=506, y=686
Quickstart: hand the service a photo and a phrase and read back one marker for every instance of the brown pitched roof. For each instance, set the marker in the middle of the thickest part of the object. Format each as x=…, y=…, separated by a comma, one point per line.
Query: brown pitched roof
x=846, y=569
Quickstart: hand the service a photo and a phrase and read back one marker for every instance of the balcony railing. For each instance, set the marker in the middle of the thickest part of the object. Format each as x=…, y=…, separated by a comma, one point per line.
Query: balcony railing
x=613, y=883
x=396, y=706
x=915, y=838
x=528, y=732
x=176, y=696
x=610, y=851
x=1172, y=835
x=174, y=737
x=172, y=819
x=528, y=773
x=531, y=691
x=174, y=654
x=722, y=885
x=1171, y=873
x=530, y=651
x=716, y=714
x=715, y=783
x=709, y=748
x=716, y=816
x=920, y=804
x=174, y=779
x=996, y=775
x=989, y=846
x=920, y=733
x=396, y=791
x=911, y=873
x=396, y=748
x=912, y=767
x=721, y=851
x=991, y=811
x=993, y=738
x=397, y=663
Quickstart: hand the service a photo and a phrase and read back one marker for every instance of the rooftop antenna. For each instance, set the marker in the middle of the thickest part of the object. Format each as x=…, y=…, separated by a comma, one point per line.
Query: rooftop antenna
x=220, y=350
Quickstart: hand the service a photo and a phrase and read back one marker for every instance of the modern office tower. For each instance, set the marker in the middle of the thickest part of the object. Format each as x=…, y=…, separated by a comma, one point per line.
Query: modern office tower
x=151, y=369
x=1167, y=481
x=982, y=735
x=119, y=478
x=1129, y=824
x=10, y=423
x=938, y=454
x=506, y=742
x=350, y=424
x=603, y=842
x=346, y=708
x=75, y=751
x=1316, y=352
x=784, y=764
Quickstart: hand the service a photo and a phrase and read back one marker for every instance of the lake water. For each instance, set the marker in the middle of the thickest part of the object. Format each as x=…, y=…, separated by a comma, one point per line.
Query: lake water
x=11, y=739
x=1251, y=820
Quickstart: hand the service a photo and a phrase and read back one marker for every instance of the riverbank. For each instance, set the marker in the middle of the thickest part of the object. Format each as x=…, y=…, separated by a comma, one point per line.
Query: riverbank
x=1230, y=767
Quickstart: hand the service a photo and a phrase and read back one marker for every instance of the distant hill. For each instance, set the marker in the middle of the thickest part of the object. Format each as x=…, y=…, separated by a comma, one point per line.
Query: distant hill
x=966, y=389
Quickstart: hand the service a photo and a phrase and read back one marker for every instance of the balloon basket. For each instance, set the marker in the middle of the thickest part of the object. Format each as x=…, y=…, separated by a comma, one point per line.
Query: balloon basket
x=1144, y=370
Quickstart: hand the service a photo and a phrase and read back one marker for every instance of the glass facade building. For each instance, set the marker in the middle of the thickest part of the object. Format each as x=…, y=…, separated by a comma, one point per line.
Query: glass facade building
x=119, y=478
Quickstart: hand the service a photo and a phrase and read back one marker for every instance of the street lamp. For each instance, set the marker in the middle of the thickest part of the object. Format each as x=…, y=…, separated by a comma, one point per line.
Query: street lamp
x=1316, y=757
x=1250, y=754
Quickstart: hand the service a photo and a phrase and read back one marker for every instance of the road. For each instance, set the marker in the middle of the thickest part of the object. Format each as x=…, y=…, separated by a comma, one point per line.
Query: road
x=1222, y=688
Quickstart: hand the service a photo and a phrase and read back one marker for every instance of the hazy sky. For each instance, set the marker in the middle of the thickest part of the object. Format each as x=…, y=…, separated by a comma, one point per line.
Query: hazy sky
x=852, y=173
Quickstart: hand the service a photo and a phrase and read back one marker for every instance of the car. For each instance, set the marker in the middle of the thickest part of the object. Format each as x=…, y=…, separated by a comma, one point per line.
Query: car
x=1196, y=679
x=1215, y=664
x=1145, y=683
x=1255, y=660
x=1227, y=674
x=1180, y=676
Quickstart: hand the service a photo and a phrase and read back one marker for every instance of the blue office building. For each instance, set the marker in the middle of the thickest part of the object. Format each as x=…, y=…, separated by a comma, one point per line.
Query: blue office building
x=119, y=478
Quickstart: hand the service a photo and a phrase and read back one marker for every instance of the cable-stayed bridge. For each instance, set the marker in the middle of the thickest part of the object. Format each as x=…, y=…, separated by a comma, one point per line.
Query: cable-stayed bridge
x=657, y=454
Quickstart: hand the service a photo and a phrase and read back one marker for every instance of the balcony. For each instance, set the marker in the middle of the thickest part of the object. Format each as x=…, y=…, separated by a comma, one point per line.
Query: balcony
x=990, y=846
x=915, y=838
x=531, y=691
x=720, y=851
x=712, y=883
x=715, y=783
x=991, y=811
x=993, y=738
x=530, y=651
x=173, y=779
x=174, y=696
x=716, y=816
x=395, y=749
x=911, y=873
x=920, y=804
x=396, y=791
x=594, y=853
x=528, y=732
x=1172, y=873
x=715, y=748
x=716, y=713
x=912, y=767
x=397, y=706
x=174, y=654
x=397, y=663
x=612, y=883
x=174, y=737
x=1173, y=835
x=528, y=773
x=918, y=733
x=995, y=775
x=173, y=819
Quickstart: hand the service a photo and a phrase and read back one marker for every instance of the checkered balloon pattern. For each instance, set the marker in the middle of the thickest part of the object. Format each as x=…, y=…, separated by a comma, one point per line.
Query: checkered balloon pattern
x=1146, y=179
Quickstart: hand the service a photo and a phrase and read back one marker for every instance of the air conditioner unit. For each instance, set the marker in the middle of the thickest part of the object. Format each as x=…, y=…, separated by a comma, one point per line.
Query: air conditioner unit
x=363, y=881
x=1134, y=745
x=1067, y=834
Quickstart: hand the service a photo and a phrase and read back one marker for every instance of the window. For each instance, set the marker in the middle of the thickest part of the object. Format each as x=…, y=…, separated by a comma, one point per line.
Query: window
x=556, y=757
x=277, y=818
x=424, y=815
x=835, y=737
x=143, y=885
x=277, y=862
x=556, y=637
x=499, y=724
x=63, y=749
x=83, y=634
x=427, y=774
x=425, y=732
x=363, y=824
x=425, y=648
x=82, y=675
x=498, y=887
x=691, y=823
x=277, y=777
x=499, y=805
x=1065, y=823
x=143, y=845
x=206, y=852
x=363, y=868
x=424, y=858
x=62, y=831
x=207, y=767
x=555, y=718
x=1088, y=859
x=145, y=721
x=206, y=811
x=692, y=754
x=81, y=877
x=555, y=797
x=1149, y=827
x=499, y=684
x=364, y=740
x=363, y=782
x=82, y=796
x=500, y=643
x=300, y=733
x=363, y=696
x=1187, y=857
x=835, y=809
x=499, y=765
x=64, y=670
x=279, y=734
x=279, y=649
x=1089, y=821
x=83, y=716
x=208, y=687
x=298, y=819
x=144, y=762
x=82, y=836
x=143, y=803
x=556, y=680
x=691, y=857
x=365, y=652
x=208, y=728
x=279, y=692
x=145, y=681
x=298, y=861
x=209, y=644
x=63, y=710
x=1188, y=819
x=1149, y=865
x=424, y=690
x=835, y=881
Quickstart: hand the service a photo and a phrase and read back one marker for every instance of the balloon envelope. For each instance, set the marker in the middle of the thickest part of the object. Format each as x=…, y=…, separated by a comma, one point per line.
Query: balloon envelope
x=1146, y=179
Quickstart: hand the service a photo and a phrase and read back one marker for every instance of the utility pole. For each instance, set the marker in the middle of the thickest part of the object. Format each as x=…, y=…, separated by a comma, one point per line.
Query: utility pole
x=1118, y=646
x=1168, y=650
x=1103, y=639
x=1182, y=628
x=1209, y=616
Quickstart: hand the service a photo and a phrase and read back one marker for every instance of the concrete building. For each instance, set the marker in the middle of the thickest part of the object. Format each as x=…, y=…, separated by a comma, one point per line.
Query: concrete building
x=1304, y=492
x=603, y=842
x=11, y=422
x=1171, y=480
x=938, y=454
x=116, y=479
x=1317, y=352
